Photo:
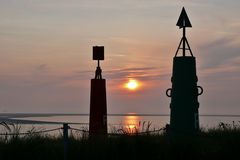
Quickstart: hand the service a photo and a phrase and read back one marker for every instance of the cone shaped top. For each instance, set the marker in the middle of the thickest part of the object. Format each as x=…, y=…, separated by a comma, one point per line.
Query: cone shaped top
x=183, y=20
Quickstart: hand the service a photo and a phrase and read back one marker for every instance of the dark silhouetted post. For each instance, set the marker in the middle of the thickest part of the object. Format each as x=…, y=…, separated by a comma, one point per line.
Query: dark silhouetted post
x=98, y=100
x=184, y=92
x=65, y=140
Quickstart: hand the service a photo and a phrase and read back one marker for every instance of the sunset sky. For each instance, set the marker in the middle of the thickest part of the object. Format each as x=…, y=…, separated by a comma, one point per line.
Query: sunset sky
x=46, y=53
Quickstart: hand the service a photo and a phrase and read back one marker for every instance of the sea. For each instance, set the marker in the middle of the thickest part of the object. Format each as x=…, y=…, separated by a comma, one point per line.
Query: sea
x=34, y=122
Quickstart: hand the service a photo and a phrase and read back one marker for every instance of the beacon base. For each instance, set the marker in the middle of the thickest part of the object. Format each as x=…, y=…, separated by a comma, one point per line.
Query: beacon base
x=98, y=107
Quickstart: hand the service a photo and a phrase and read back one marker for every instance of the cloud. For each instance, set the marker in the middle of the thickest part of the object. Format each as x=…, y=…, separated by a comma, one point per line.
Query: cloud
x=141, y=73
x=219, y=52
x=120, y=73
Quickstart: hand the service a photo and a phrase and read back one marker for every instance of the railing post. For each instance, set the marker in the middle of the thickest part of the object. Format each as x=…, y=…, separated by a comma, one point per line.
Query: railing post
x=65, y=140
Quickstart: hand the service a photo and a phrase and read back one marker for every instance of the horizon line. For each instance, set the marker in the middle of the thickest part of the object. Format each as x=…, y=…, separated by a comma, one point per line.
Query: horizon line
x=110, y=114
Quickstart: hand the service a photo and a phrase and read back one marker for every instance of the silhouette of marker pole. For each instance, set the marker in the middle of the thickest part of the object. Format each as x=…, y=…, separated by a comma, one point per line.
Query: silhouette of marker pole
x=184, y=93
x=98, y=100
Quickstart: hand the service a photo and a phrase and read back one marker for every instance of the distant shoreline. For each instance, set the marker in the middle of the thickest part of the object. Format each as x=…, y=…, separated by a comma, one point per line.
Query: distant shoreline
x=20, y=117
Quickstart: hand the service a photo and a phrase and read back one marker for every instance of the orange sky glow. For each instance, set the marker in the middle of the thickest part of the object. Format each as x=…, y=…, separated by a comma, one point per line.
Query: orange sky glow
x=46, y=54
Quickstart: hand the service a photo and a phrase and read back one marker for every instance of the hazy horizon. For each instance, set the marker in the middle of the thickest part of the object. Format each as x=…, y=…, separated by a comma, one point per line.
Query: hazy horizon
x=46, y=54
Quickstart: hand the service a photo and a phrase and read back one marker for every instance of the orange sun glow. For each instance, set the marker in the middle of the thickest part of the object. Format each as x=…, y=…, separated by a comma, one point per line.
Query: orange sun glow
x=132, y=84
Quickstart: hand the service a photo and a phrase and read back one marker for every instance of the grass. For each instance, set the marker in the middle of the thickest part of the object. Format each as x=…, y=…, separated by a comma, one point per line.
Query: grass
x=221, y=142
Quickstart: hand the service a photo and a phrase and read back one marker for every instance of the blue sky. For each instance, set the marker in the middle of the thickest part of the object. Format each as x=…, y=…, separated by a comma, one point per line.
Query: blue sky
x=46, y=49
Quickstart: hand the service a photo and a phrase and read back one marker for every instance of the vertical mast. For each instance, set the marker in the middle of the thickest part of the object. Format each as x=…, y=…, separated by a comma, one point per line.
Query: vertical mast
x=184, y=39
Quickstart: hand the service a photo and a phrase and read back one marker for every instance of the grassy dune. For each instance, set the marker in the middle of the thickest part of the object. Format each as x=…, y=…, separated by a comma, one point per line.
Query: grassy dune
x=222, y=143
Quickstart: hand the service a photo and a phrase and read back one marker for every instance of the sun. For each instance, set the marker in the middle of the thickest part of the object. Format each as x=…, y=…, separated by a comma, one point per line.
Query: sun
x=132, y=84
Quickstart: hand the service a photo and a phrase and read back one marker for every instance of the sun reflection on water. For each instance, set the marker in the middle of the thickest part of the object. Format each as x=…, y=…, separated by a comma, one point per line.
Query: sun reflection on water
x=131, y=123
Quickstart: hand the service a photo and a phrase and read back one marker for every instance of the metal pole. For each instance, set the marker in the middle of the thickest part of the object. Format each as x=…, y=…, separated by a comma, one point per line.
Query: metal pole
x=65, y=140
x=184, y=40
